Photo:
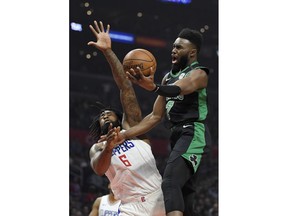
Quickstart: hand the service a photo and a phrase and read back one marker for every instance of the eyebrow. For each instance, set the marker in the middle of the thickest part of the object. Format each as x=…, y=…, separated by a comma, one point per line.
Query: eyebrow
x=106, y=112
x=177, y=45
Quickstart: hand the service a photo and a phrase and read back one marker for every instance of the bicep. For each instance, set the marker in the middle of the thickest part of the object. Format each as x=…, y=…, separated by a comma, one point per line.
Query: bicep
x=92, y=151
x=193, y=82
x=95, y=152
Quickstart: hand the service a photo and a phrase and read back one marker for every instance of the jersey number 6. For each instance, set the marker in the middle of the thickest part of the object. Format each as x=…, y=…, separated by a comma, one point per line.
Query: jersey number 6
x=124, y=160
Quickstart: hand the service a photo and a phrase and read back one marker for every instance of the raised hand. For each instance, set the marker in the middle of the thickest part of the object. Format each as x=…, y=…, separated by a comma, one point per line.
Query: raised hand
x=113, y=137
x=103, y=40
x=137, y=77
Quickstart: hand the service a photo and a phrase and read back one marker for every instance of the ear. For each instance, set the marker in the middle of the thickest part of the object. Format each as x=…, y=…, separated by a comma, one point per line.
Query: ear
x=193, y=53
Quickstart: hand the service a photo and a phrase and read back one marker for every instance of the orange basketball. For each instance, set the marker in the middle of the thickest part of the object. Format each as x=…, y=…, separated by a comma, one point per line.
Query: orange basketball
x=140, y=58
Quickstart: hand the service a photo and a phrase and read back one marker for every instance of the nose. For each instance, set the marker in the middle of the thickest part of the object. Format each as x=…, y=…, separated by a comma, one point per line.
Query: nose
x=105, y=117
x=174, y=50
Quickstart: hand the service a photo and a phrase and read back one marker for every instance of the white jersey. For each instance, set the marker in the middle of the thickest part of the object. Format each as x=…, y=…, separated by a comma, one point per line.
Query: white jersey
x=107, y=208
x=133, y=173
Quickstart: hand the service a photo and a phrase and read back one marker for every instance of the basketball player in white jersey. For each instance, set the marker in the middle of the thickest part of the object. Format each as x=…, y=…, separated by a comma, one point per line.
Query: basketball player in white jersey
x=129, y=166
x=106, y=205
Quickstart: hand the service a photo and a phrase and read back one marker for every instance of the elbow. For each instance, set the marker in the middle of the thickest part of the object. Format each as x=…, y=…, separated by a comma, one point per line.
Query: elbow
x=158, y=119
x=155, y=119
x=99, y=172
x=98, y=168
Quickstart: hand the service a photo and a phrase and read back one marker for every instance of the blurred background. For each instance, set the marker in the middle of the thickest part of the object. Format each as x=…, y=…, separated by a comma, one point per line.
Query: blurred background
x=148, y=24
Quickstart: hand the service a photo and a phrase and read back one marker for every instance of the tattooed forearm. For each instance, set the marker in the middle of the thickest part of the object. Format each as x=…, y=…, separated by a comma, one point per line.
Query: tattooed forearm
x=117, y=70
x=131, y=107
x=128, y=98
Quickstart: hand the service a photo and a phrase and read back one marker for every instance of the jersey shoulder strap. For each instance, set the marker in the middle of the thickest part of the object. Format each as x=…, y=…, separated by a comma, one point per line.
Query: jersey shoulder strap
x=196, y=65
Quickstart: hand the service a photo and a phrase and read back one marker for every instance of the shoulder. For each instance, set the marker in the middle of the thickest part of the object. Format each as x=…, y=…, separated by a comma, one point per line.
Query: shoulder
x=198, y=72
x=97, y=202
x=96, y=148
x=92, y=150
x=204, y=69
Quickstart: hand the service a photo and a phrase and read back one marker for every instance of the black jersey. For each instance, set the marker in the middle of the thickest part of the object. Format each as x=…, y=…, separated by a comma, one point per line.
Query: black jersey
x=191, y=107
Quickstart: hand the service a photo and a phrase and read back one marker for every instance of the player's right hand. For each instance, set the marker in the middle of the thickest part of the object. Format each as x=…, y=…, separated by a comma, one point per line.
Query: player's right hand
x=137, y=77
x=114, y=138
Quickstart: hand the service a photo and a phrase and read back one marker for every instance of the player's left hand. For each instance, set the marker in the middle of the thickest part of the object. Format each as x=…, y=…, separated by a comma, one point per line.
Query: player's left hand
x=103, y=40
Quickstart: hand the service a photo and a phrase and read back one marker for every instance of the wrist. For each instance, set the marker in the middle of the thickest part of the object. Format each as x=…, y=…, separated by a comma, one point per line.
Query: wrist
x=123, y=135
x=156, y=87
x=107, y=51
x=110, y=146
x=167, y=90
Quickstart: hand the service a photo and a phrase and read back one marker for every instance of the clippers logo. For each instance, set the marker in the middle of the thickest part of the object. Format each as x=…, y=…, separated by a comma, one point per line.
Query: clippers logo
x=122, y=148
x=110, y=213
x=193, y=158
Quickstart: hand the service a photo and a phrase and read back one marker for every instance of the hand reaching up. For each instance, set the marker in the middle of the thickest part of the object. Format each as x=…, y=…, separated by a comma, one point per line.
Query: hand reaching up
x=103, y=40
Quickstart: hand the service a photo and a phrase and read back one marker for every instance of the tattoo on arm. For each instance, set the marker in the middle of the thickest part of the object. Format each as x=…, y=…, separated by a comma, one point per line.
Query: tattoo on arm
x=131, y=107
x=117, y=70
x=128, y=98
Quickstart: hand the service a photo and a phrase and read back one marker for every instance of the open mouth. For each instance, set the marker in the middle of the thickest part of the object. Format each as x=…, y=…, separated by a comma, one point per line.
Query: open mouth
x=107, y=122
x=174, y=59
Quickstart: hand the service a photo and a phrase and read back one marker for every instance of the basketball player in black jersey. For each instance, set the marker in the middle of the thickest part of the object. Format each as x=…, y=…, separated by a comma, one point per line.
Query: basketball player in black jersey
x=183, y=97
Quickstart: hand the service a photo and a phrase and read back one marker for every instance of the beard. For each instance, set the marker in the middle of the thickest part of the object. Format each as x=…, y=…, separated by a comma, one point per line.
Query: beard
x=105, y=127
x=183, y=61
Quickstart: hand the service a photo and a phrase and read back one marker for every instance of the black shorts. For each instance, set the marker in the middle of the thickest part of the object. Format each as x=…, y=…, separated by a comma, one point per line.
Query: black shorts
x=191, y=141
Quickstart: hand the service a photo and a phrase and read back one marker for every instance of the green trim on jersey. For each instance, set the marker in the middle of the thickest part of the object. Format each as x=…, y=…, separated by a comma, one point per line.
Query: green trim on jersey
x=184, y=70
x=175, y=75
x=202, y=104
x=196, y=148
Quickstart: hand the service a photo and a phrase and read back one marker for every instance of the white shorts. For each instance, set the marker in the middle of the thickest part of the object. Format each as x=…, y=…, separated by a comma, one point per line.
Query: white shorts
x=150, y=205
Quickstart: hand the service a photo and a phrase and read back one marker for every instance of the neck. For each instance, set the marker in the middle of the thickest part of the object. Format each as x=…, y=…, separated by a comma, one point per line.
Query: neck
x=112, y=198
x=191, y=61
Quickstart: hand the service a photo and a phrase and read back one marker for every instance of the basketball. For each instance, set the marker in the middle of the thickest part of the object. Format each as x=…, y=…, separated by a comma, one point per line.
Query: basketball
x=140, y=58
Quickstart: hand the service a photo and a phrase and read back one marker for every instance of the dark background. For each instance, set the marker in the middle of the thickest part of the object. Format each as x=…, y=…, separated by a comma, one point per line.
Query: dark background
x=90, y=80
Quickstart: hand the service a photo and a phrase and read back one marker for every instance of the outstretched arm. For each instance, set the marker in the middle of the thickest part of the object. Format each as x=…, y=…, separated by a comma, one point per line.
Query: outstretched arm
x=197, y=79
x=149, y=122
x=131, y=108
